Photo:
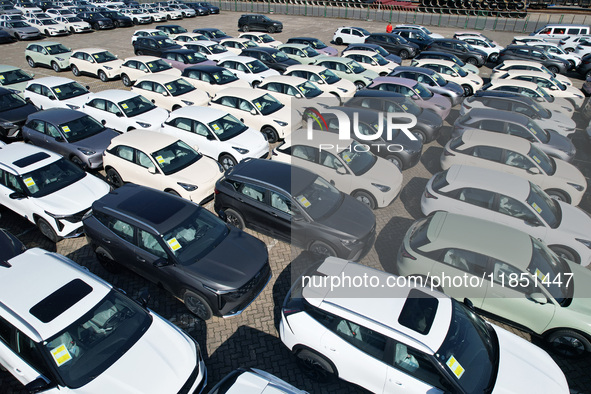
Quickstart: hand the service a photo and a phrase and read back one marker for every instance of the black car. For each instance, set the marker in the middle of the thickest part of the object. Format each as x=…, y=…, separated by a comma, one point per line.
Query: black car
x=394, y=44
x=185, y=56
x=374, y=48
x=433, y=80
x=585, y=67
x=531, y=53
x=153, y=46
x=171, y=29
x=216, y=269
x=119, y=20
x=428, y=122
x=5, y=38
x=96, y=20
x=212, y=8
x=415, y=36
x=10, y=246
x=199, y=9
x=212, y=33
x=258, y=22
x=13, y=113
x=296, y=206
x=271, y=57
x=461, y=49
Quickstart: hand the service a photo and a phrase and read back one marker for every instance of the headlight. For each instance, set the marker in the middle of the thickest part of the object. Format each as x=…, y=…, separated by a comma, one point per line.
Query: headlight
x=108, y=68
x=349, y=242
x=382, y=188
x=7, y=124
x=87, y=152
x=188, y=187
x=144, y=125
x=242, y=151
x=56, y=216
x=343, y=90
x=60, y=59
x=72, y=106
x=280, y=123
x=187, y=102
x=584, y=242
x=577, y=187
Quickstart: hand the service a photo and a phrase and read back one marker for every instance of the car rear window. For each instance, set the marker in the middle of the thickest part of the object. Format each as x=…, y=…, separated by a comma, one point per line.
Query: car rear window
x=419, y=237
x=60, y=300
x=440, y=181
x=418, y=312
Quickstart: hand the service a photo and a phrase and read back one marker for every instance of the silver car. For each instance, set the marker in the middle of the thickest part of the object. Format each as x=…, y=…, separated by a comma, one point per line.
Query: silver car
x=20, y=30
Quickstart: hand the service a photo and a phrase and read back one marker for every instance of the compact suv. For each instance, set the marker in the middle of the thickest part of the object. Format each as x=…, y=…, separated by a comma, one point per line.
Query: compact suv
x=491, y=48
x=293, y=92
x=270, y=57
x=448, y=56
x=261, y=39
x=97, y=20
x=296, y=206
x=454, y=245
x=254, y=381
x=416, y=37
x=172, y=31
x=461, y=49
x=153, y=46
x=531, y=53
x=420, y=28
x=247, y=68
x=120, y=20
x=324, y=79
x=169, y=92
x=158, y=33
x=47, y=189
x=137, y=67
x=350, y=35
x=56, y=92
x=434, y=82
x=315, y=43
x=236, y=45
x=303, y=53
x=371, y=61
x=95, y=61
x=556, y=51
x=212, y=33
x=49, y=54
x=14, y=110
x=56, y=319
x=215, y=269
x=426, y=342
x=248, y=22
x=375, y=49
x=183, y=58
x=451, y=72
x=212, y=79
x=347, y=69
x=393, y=43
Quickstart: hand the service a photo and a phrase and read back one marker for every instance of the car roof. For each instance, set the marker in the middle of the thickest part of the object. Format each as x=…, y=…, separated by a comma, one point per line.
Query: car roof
x=92, y=50
x=319, y=138
x=148, y=31
x=245, y=93
x=236, y=39
x=284, y=79
x=460, y=176
x=179, y=50
x=360, y=52
x=521, y=62
x=490, y=113
x=514, y=82
x=420, y=70
x=143, y=58
x=304, y=38
x=361, y=45
x=377, y=93
x=475, y=137
x=5, y=67
x=206, y=68
x=324, y=58
x=262, y=49
x=203, y=114
x=159, y=77
x=502, y=95
x=294, y=45
x=532, y=73
x=255, y=33
x=208, y=29
x=204, y=43
x=395, y=80
x=240, y=59
x=44, y=43
x=147, y=141
x=441, y=62
x=22, y=158
x=306, y=67
x=114, y=94
x=57, y=115
x=51, y=81
x=20, y=291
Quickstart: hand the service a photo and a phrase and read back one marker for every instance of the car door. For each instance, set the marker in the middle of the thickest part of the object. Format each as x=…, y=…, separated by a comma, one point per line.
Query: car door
x=116, y=119
x=335, y=171
x=117, y=237
x=154, y=261
x=9, y=184
x=254, y=207
x=280, y=209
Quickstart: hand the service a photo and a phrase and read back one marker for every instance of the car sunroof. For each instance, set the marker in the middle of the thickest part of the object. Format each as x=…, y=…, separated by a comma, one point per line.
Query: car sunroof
x=60, y=300
x=418, y=311
x=34, y=158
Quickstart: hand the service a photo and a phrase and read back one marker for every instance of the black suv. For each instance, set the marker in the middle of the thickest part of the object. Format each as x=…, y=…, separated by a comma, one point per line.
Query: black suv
x=153, y=46
x=531, y=53
x=271, y=57
x=212, y=33
x=214, y=268
x=394, y=44
x=96, y=20
x=14, y=111
x=461, y=49
x=296, y=206
x=119, y=20
x=258, y=22
x=415, y=36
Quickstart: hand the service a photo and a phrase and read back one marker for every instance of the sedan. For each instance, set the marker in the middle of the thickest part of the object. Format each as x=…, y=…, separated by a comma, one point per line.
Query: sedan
x=372, y=61
x=324, y=79
x=451, y=72
x=212, y=33
x=394, y=43
x=49, y=27
x=74, y=24
x=315, y=43
x=261, y=39
x=137, y=67
x=292, y=91
x=347, y=69
x=20, y=30
x=56, y=92
x=236, y=45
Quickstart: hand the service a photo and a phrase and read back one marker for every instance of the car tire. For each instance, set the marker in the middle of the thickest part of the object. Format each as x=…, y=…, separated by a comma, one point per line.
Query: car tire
x=227, y=161
x=76, y=160
x=571, y=65
x=96, y=26
x=396, y=160
x=566, y=253
x=114, y=178
x=271, y=29
x=72, y=30
x=107, y=263
x=46, y=32
x=270, y=134
x=554, y=69
x=588, y=74
x=404, y=54
x=235, y=219
x=75, y=71
x=116, y=23
x=56, y=67
x=322, y=249
x=339, y=41
x=315, y=366
x=47, y=230
x=245, y=28
x=468, y=91
x=558, y=195
x=102, y=76
x=365, y=198
x=493, y=57
x=197, y=305
x=472, y=61
x=359, y=85
x=568, y=343
x=139, y=53
x=126, y=81
x=31, y=62
x=569, y=50
x=420, y=135
x=172, y=192
x=17, y=36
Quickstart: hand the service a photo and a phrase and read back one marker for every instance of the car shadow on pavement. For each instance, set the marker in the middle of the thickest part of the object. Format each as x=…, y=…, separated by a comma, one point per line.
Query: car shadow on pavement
x=389, y=240
x=409, y=196
x=25, y=231
x=431, y=159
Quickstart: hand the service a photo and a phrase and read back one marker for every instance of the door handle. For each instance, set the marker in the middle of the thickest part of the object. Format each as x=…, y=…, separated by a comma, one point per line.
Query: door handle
x=140, y=259
x=240, y=199
x=18, y=371
x=273, y=214
x=107, y=241
x=395, y=382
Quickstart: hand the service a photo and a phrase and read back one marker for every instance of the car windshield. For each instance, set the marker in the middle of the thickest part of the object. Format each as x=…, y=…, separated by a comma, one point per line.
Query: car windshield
x=410, y=107
x=546, y=207
x=195, y=58
x=280, y=56
x=266, y=38
x=227, y=127
x=135, y=106
x=309, y=90
x=470, y=351
x=51, y=178
x=256, y=66
x=267, y=104
x=543, y=93
x=461, y=72
x=56, y=49
x=422, y=91
x=195, y=237
x=379, y=59
x=47, y=22
x=166, y=42
x=319, y=199
x=317, y=44
x=439, y=80
x=546, y=266
x=175, y=157
x=329, y=77
x=224, y=76
x=158, y=65
x=249, y=44
x=69, y=90
x=547, y=164
x=93, y=343
x=11, y=101
x=81, y=128
x=356, y=67
x=358, y=159
x=556, y=82
x=538, y=132
x=310, y=52
x=179, y=87
x=217, y=48
x=14, y=76
x=103, y=57
x=217, y=33
x=73, y=19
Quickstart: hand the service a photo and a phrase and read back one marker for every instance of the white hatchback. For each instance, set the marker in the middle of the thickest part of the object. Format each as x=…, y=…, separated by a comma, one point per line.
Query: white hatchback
x=261, y=39
x=247, y=68
x=169, y=92
x=136, y=67
x=56, y=92
x=350, y=35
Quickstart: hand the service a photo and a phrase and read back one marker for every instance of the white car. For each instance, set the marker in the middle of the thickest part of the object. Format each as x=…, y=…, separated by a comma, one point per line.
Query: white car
x=216, y=134
x=63, y=316
x=421, y=28
x=348, y=166
x=56, y=92
x=258, y=110
x=169, y=92
x=466, y=33
x=27, y=7
x=236, y=45
x=453, y=73
x=556, y=51
x=50, y=27
x=148, y=33
x=570, y=43
x=47, y=189
x=247, y=68
x=74, y=24
x=95, y=61
x=55, y=12
x=583, y=48
x=491, y=48
x=212, y=79
x=372, y=61
x=324, y=79
x=350, y=35
x=156, y=15
x=124, y=111
x=517, y=156
x=183, y=38
x=253, y=381
x=138, y=16
x=210, y=49
x=162, y=162
x=186, y=10
x=404, y=338
x=512, y=201
x=509, y=65
x=136, y=67
x=170, y=13
x=292, y=91
x=261, y=39
x=525, y=40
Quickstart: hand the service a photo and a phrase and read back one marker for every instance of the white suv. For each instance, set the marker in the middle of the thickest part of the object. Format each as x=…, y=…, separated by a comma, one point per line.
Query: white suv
x=65, y=330
x=405, y=339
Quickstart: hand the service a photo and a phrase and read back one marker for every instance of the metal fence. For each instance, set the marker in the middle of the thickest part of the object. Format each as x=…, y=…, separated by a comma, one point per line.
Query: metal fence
x=441, y=17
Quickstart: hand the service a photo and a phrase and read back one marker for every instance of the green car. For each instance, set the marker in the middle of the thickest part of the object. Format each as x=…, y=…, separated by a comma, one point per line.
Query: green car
x=505, y=273
x=347, y=69
x=48, y=53
x=14, y=79
x=302, y=53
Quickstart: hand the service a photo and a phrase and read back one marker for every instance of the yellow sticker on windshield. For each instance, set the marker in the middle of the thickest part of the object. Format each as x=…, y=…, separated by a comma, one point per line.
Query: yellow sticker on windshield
x=169, y=87
x=173, y=244
x=124, y=106
x=160, y=159
x=96, y=56
x=1, y=77
x=150, y=65
x=249, y=65
x=29, y=182
x=215, y=126
x=417, y=91
x=66, y=129
x=536, y=159
x=536, y=207
x=540, y=275
x=258, y=105
x=533, y=130
x=455, y=367
x=304, y=201
x=189, y=57
x=58, y=90
x=61, y=355
x=217, y=77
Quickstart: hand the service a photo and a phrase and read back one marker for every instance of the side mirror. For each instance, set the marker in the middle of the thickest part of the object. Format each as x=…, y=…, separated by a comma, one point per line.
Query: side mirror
x=59, y=139
x=37, y=385
x=296, y=217
x=341, y=171
x=349, y=71
x=119, y=114
x=253, y=112
x=538, y=298
x=532, y=222
x=160, y=263
x=210, y=137
x=469, y=304
x=52, y=98
x=165, y=94
x=302, y=55
x=533, y=170
x=553, y=88
x=87, y=87
x=298, y=95
x=212, y=82
x=152, y=170
x=146, y=71
x=153, y=101
x=320, y=82
x=414, y=97
x=17, y=196
x=374, y=63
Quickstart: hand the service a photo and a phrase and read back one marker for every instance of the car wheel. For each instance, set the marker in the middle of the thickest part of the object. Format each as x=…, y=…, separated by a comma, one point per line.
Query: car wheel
x=197, y=305
x=31, y=62
x=108, y=264
x=403, y=54
x=420, y=135
x=245, y=28
x=359, y=85
x=234, y=218
x=493, y=57
x=365, y=198
x=47, y=230
x=96, y=26
x=322, y=249
x=558, y=195
x=172, y=192
x=139, y=53
x=126, y=81
x=103, y=76
x=339, y=41
x=227, y=161
x=117, y=24
x=17, y=36
x=566, y=253
x=396, y=160
x=254, y=84
x=570, y=50
x=568, y=343
x=468, y=91
x=472, y=61
x=271, y=29
x=554, y=69
x=75, y=71
x=136, y=22
x=56, y=67
x=46, y=33
x=76, y=160
x=270, y=134
x=571, y=65
x=114, y=178
x=315, y=366
x=72, y=30
x=175, y=107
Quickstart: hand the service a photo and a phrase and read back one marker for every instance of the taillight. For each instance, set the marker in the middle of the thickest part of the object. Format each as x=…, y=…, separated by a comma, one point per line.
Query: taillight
x=216, y=191
x=429, y=195
x=273, y=153
x=404, y=253
x=290, y=311
x=467, y=106
x=447, y=153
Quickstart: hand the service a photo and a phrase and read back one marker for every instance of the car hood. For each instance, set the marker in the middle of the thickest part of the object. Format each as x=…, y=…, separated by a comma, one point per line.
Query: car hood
x=453, y=87
x=559, y=119
x=234, y=262
x=250, y=139
x=205, y=170
x=439, y=100
x=561, y=142
x=267, y=73
x=98, y=142
x=29, y=29
x=575, y=222
x=471, y=68
x=516, y=354
x=569, y=173
x=430, y=118
x=289, y=62
x=74, y=198
x=160, y=361
x=330, y=51
x=78, y=101
x=385, y=173
x=155, y=117
x=18, y=115
x=352, y=218
x=580, y=302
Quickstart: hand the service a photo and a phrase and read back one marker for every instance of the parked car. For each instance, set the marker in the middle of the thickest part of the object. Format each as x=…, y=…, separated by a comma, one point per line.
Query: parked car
x=248, y=22
x=172, y=30
x=14, y=79
x=5, y=38
x=461, y=49
x=302, y=53
x=420, y=28
x=20, y=30
x=295, y=205
x=557, y=32
x=47, y=189
x=453, y=73
x=212, y=79
x=248, y=68
x=183, y=58
x=137, y=16
x=96, y=20
x=435, y=82
x=293, y=92
x=527, y=52
x=254, y=380
x=10, y=246
x=556, y=51
x=212, y=8
x=74, y=24
x=511, y=65
x=183, y=38
x=121, y=20
x=137, y=67
x=416, y=37
x=153, y=46
x=199, y=9
x=432, y=340
x=210, y=49
x=394, y=43
x=371, y=61
x=14, y=110
x=350, y=35
x=270, y=57
x=236, y=45
x=491, y=48
x=568, y=44
x=585, y=68
x=448, y=56
x=261, y=39
x=212, y=33
x=95, y=61
x=375, y=49
x=315, y=43
x=148, y=33
x=56, y=92
x=347, y=69
x=324, y=79
x=169, y=92
x=49, y=27
x=48, y=53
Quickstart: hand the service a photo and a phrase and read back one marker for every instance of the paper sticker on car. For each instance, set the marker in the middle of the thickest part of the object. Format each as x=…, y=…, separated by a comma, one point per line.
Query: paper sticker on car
x=160, y=159
x=173, y=244
x=304, y=201
x=29, y=182
x=65, y=129
x=61, y=355
x=536, y=207
x=57, y=90
x=124, y=106
x=455, y=367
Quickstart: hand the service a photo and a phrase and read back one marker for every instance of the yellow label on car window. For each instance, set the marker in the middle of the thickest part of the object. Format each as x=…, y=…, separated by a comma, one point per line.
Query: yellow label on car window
x=61, y=355
x=540, y=275
x=160, y=159
x=347, y=157
x=533, y=130
x=96, y=56
x=66, y=129
x=189, y=57
x=404, y=107
x=124, y=106
x=304, y=201
x=258, y=105
x=417, y=91
x=2, y=77
x=215, y=126
x=169, y=87
x=58, y=90
x=250, y=65
x=536, y=159
x=536, y=207
x=150, y=65
x=173, y=244
x=29, y=182
x=455, y=367
x=217, y=77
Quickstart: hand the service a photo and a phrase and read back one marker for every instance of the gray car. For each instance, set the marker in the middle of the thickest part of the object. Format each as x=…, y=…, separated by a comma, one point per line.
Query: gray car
x=548, y=141
x=20, y=30
x=435, y=82
x=73, y=134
